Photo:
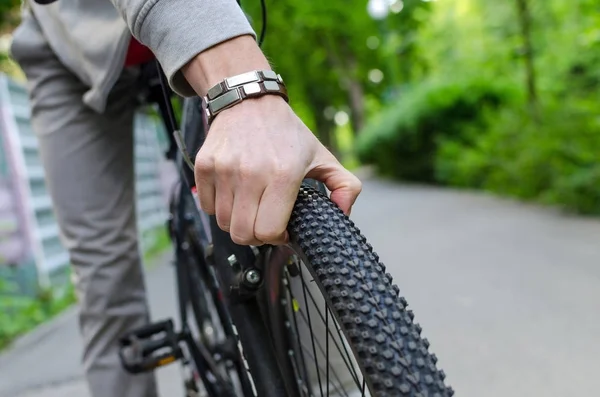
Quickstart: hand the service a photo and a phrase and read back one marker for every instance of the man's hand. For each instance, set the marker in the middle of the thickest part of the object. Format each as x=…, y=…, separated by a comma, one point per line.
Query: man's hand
x=256, y=154
x=252, y=163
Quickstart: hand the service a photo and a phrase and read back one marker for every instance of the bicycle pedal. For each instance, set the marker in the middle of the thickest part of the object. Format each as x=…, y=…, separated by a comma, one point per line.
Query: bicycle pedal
x=149, y=347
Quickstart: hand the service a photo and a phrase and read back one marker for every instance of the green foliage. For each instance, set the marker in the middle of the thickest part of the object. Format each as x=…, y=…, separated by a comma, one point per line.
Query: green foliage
x=544, y=149
x=403, y=141
x=9, y=13
x=19, y=314
x=320, y=49
x=9, y=19
x=464, y=69
x=555, y=161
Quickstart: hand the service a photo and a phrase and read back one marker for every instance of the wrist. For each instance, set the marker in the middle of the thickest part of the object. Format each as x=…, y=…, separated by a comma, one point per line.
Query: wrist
x=232, y=57
x=260, y=108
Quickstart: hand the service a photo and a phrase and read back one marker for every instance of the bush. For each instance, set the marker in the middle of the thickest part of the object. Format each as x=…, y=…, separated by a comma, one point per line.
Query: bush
x=403, y=141
x=553, y=161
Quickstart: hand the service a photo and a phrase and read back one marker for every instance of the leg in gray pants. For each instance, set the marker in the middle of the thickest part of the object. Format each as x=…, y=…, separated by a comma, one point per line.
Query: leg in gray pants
x=88, y=161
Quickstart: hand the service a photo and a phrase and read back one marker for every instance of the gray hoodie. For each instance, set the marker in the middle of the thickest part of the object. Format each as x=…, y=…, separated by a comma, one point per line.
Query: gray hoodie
x=91, y=37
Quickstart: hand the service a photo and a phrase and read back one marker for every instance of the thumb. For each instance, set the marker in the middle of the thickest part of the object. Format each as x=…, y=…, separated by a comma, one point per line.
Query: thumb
x=344, y=185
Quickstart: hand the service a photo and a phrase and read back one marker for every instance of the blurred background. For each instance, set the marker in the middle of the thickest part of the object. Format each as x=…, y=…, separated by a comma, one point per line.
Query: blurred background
x=443, y=100
x=493, y=95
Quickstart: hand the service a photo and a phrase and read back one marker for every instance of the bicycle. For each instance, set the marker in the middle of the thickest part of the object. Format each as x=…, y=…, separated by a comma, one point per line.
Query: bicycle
x=244, y=311
x=237, y=295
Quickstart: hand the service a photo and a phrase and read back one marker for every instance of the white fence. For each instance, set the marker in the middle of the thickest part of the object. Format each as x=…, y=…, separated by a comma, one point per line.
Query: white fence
x=37, y=228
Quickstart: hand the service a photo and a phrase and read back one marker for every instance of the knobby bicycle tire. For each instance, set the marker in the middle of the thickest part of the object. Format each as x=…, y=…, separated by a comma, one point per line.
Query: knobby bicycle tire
x=387, y=344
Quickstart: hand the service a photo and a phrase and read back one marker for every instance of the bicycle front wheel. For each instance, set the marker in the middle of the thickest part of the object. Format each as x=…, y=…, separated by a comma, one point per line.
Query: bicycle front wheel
x=361, y=302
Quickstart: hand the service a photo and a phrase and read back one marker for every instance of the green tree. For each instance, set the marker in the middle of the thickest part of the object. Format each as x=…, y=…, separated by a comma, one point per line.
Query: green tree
x=501, y=59
x=320, y=47
x=524, y=18
x=9, y=14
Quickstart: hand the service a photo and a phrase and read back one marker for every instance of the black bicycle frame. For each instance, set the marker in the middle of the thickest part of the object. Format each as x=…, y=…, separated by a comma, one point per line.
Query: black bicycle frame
x=249, y=313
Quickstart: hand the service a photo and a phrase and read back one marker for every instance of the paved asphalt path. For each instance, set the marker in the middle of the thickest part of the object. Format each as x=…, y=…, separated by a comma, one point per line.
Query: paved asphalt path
x=508, y=294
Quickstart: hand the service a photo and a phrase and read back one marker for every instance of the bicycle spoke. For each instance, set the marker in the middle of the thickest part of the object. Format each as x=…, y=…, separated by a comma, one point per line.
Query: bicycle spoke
x=335, y=375
x=340, y=383
x=312, y=336
x=334, y=372
x=320, y=347
x=305, y=387
x=347, y=358
x=295, y=331
x=327, y=347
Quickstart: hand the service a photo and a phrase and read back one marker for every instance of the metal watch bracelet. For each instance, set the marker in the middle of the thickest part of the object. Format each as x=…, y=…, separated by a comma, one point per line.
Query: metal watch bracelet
x=235, y=89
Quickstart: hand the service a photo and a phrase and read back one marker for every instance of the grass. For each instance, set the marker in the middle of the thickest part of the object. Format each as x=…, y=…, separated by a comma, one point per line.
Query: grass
x=19, y=314
x=160, y=242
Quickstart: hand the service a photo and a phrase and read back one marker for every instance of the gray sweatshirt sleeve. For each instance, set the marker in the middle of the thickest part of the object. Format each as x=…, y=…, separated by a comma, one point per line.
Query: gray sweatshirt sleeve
x=178, y=30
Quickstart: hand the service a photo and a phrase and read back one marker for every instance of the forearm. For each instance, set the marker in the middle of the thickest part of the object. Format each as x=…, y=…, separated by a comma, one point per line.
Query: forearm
x=178, y=30
x=226, y=59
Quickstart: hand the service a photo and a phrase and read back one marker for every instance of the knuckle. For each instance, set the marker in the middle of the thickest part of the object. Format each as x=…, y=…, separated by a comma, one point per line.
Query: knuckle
x=225, y=166
x=248, y=171
x=283, y=171
x=356, y=186
x=203, y=164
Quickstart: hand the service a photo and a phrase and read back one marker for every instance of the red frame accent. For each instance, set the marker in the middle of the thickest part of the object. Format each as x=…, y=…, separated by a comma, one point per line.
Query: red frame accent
x=137, y=53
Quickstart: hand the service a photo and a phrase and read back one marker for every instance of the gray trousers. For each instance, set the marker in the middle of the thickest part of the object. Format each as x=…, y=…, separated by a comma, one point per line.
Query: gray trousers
x=88, y=162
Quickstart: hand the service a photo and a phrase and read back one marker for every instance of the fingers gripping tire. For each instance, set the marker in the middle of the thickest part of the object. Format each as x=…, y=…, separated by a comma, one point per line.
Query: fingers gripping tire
x=387, y=344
